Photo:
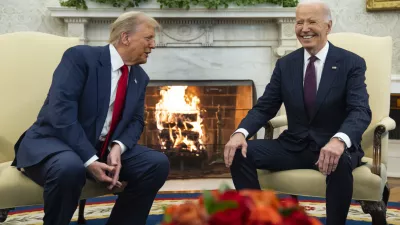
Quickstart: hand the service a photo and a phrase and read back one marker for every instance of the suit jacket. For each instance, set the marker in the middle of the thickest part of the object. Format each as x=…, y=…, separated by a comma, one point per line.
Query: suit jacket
x=74, y=112
x=341, y=102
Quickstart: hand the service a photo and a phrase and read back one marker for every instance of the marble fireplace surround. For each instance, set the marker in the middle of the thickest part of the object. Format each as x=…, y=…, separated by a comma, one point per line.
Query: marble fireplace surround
x=237, y=43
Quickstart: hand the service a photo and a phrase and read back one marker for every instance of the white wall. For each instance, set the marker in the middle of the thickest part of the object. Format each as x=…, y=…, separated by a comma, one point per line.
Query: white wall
x=29, y=15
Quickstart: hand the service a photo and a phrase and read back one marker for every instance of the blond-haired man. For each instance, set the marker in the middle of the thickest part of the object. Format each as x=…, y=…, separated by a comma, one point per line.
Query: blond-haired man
x=90, y=123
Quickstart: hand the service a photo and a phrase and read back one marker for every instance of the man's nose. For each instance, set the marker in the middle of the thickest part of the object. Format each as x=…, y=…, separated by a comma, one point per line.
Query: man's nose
x=152, y=44
x=305, y=28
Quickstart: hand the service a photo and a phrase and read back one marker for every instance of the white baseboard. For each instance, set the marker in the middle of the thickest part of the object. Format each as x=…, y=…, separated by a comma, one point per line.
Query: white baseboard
x=394, y=158
x=395, y=84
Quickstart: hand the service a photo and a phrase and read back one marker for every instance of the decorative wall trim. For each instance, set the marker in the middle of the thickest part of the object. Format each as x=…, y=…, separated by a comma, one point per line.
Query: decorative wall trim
x=76, y=20
x=215, y=21
x=197, y=27
x=232, y=12
x=101, y=21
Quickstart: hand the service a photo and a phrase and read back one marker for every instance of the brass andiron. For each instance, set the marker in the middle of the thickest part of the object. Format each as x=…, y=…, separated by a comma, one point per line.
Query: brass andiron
x=146, y=115
x=219, y=154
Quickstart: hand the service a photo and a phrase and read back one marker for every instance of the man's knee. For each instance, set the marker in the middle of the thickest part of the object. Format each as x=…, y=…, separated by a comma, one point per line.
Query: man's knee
x=344, y=165
x=68, y=172
x=156, y=169
x=239, y=158
x=160, y=163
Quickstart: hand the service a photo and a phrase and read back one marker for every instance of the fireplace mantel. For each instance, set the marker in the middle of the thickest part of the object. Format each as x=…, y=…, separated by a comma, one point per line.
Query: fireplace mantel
x=265, y=25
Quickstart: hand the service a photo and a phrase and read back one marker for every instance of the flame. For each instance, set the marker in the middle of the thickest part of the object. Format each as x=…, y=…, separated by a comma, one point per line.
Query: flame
x=178, y=120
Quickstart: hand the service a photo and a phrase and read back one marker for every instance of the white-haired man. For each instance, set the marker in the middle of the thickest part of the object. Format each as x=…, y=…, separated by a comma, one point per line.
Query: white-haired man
x=90, y=123
x=326, y=100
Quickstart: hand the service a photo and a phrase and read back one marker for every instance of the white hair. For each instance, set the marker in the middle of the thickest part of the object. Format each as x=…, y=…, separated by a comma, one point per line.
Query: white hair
x=327, y=9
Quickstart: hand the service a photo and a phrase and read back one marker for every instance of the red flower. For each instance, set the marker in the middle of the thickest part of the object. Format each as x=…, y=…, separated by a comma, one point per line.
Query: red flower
x=289, y=202
x=297, y=218
x=234, y=216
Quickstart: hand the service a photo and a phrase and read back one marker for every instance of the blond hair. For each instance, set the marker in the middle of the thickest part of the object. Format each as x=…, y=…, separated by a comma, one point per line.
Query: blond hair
x=128, y=22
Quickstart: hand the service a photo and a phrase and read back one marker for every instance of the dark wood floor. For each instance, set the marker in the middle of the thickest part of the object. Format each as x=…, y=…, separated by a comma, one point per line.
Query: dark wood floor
x=394, y=184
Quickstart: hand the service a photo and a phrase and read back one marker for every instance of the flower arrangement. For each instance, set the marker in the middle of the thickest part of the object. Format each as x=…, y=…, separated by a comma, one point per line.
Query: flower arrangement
x=245, y=207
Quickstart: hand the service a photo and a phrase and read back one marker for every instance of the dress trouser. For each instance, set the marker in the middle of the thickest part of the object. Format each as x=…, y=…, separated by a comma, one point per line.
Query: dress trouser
x=270, y=155
x=63, y=176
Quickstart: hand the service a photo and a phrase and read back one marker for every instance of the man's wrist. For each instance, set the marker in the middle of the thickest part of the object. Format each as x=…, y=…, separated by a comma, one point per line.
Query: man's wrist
x=243, y=131
x=341, y=140
x=91, y=160
x=122, y=146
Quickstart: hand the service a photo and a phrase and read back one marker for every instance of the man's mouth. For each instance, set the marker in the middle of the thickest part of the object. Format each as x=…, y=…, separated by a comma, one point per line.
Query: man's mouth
x=307, y=36
x=147, y=54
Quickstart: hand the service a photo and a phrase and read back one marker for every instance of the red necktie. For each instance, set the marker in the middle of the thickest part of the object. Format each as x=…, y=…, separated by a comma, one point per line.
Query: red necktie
x=310, y=87
x=118, y=106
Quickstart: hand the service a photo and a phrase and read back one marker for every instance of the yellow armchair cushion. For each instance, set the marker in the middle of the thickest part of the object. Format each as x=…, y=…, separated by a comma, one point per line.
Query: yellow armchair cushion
x=18, y=190
x=307, y=182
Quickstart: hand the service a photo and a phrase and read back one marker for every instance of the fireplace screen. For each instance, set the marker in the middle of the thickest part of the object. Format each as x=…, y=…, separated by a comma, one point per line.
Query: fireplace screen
x=191, y=121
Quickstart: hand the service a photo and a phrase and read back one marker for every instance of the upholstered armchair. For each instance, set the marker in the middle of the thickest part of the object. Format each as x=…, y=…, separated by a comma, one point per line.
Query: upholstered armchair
x=370, y=180
x=28, y=60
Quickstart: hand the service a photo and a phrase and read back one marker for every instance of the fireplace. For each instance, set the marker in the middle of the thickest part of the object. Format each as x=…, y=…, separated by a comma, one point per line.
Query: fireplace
x=191, y=121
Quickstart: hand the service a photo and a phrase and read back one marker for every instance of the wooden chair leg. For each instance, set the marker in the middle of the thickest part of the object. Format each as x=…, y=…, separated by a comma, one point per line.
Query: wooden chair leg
x=386, y=194
x=81, y=215
x=377, y=210
x=4, y=214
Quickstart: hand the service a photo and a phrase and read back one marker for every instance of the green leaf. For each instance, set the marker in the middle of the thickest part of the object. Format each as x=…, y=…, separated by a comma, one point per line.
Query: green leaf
x=224, y=187
x=222, y=205
x=167, y=218
x=285, y=212
x=208, y=200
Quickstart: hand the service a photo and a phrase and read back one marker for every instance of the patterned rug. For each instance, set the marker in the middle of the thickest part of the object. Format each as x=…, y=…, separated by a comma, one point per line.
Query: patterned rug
x=98, y=209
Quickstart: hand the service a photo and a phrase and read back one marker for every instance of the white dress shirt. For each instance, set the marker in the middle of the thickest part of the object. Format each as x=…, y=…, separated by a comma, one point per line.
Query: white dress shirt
x=319, y=65
x=116, y=64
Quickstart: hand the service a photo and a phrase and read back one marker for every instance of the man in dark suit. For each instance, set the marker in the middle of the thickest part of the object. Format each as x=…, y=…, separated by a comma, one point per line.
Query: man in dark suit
x=324, y=92
x=90, y=123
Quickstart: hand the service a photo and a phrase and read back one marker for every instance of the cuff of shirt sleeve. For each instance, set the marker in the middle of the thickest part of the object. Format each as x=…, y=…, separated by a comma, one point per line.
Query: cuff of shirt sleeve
x=243, y=131
x=91, y=160
x=123, y=147
x=344, y=137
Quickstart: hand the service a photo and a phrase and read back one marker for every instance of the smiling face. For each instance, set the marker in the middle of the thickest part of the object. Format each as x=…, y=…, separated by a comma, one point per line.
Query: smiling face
x=138, y=44
x=312, y=26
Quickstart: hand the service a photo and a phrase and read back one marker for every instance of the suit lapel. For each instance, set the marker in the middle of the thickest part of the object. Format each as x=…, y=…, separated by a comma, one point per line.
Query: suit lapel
x=132, y=92
x=297, y=71
x=103, y=88
x=328, y=75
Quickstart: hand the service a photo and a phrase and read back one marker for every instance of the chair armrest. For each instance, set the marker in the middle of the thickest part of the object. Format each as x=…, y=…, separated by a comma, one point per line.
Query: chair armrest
x=385, y=125
x=276, y=122
x=388, y=123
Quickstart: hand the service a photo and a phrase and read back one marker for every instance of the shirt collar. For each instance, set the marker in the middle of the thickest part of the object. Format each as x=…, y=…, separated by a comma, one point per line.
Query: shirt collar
x=116, y=60
x=321, y=55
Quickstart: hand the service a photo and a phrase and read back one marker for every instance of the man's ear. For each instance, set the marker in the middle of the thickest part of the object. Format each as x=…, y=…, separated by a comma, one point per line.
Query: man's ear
x=124, y=37
x=329, y=24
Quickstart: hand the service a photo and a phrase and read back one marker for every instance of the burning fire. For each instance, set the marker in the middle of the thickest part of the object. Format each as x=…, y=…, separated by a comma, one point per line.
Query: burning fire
x=178, y=120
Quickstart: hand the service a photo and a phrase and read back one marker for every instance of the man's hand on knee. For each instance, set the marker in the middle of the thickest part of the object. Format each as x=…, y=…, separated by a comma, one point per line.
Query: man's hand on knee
x=329, y=156
x=114, y=160
x=237, y=141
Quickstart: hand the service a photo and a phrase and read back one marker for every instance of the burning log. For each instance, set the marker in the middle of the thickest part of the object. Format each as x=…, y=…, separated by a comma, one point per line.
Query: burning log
x=179, y=120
